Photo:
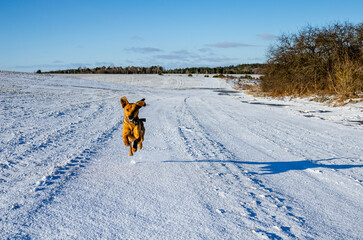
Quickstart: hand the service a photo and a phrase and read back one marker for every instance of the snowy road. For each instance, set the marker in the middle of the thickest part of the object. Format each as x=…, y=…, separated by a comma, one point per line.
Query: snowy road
x=212, y=166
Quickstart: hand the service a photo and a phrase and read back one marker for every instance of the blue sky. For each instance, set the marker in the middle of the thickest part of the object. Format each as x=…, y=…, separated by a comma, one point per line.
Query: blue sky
x=60, y=34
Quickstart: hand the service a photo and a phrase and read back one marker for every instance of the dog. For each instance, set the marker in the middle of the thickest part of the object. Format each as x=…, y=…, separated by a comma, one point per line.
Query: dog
x=133, y=127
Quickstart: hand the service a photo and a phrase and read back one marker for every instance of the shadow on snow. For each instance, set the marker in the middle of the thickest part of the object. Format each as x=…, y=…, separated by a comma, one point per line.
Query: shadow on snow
x=279, y=167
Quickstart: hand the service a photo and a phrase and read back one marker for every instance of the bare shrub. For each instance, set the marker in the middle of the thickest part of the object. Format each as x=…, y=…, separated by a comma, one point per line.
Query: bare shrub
x=325, y=60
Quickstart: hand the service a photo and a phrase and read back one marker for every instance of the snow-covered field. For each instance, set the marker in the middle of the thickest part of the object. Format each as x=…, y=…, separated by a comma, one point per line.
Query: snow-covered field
x=216, y=163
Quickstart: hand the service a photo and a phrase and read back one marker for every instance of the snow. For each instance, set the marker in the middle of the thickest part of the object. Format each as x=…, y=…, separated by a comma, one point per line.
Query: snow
x=216, y=163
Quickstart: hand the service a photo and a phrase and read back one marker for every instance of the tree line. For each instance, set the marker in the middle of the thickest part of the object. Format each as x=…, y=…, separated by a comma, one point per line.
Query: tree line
x=111, y=70
x=255, y=68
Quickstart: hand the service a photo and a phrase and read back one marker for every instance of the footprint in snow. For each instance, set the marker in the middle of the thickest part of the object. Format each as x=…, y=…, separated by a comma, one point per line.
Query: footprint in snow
x=220, y=211
x=186, y=128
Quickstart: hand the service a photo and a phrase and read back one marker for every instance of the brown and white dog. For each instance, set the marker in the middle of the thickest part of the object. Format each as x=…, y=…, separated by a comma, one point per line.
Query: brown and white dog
x=133, y=127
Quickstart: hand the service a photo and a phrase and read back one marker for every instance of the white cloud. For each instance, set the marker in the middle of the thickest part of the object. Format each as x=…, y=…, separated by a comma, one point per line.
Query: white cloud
x=229, y=45
x=143, y=49
x=267, y=36
x=137, y=38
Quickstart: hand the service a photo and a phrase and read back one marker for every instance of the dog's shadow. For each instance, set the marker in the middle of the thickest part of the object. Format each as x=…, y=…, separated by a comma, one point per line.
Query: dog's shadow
x=279, y=167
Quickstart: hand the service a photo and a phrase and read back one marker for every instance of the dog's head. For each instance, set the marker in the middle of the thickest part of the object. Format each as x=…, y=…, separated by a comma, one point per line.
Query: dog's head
x=131, y=110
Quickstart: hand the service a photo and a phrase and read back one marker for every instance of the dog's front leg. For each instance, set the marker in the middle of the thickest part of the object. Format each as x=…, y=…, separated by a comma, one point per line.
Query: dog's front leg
x=127, y=143
x=137, y=132
x=131, y=138
x=126, y=135
x=126, y=140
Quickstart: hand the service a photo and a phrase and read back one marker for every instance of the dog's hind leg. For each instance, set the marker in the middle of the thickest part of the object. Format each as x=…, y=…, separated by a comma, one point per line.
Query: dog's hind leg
x=134, y=149
x=142, y=134
x=141, y=139
x=131, y=154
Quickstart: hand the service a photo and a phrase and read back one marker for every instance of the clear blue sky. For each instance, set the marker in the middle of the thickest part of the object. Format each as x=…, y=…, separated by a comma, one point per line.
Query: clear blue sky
x=59, y=34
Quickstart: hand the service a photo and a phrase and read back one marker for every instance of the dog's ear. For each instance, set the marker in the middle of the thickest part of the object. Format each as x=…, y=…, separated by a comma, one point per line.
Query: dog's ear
x=141, y=103
x=124, y=101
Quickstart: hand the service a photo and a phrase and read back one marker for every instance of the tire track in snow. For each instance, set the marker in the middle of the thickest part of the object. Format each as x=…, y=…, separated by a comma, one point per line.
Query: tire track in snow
x=279, y=134
x=255, y=200
x=252, y=123
x=315, y=140
x=30, y=164
x=62, y=172
x=51, y=184
x=31, y=145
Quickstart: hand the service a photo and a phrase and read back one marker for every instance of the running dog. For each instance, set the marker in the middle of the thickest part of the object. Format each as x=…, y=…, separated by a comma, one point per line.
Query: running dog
x=133, y=127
